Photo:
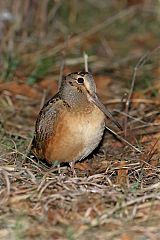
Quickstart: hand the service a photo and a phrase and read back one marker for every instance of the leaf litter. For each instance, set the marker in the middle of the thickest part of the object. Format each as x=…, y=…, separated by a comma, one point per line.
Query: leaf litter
x=116, y=192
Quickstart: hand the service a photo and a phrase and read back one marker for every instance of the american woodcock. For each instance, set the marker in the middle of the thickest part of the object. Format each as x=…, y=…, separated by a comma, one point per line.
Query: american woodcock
x=71, y=124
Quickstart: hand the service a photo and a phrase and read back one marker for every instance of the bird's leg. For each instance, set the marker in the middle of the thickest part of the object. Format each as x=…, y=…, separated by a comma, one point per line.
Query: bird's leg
x=59, y=168
x=71, y=164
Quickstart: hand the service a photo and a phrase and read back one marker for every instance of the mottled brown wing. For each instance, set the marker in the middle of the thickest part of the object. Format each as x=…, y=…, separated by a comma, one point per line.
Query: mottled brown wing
x=45, y=124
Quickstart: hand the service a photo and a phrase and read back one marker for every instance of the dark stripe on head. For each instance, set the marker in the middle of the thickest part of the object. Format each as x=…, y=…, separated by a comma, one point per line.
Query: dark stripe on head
x=82, y=73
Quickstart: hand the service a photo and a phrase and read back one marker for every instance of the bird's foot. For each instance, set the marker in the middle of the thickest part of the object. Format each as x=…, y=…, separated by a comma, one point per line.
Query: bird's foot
x=72, y=164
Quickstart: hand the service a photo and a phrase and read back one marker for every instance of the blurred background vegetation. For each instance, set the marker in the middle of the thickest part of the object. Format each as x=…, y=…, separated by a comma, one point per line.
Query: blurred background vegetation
x=36, y=35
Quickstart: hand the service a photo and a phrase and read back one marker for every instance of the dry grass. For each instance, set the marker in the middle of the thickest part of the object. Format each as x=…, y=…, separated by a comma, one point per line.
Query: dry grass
x=116, y=192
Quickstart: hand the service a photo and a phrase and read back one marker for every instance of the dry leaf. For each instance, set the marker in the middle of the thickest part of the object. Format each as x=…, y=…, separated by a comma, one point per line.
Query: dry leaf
x=122, y=177
x=20, y=89
x=102, y=82
x=49, y=84
x=83, y=166
x=127, y=236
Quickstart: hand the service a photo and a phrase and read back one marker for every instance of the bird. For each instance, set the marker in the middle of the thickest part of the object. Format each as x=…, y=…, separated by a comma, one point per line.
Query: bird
x=72, y=123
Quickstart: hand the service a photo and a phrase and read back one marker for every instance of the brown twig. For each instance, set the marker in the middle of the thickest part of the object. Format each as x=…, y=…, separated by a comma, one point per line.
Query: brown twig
x=64, y=52
x=85, y=61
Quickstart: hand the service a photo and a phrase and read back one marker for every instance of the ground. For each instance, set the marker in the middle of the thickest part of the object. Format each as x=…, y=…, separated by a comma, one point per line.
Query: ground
x=116, y=192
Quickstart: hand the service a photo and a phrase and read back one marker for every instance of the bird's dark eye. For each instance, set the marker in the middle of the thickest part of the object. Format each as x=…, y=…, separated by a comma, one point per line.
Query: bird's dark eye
x=80, y=80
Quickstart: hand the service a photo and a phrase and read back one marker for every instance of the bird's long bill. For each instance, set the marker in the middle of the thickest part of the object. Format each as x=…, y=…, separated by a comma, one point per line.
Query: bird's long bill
x=100, y=105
